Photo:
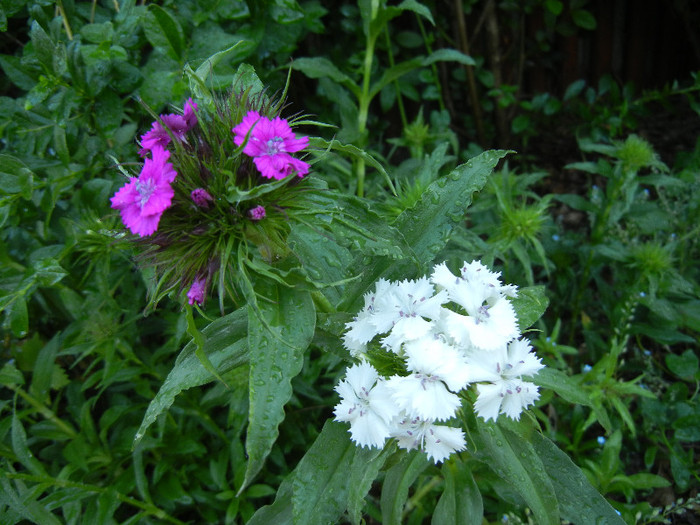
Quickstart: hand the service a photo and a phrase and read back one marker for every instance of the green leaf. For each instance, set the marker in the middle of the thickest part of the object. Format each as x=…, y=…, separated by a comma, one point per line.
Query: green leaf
x=576, y=202
x=402, y=68
x=398, y=480
x=684, y=366
x=530, y=303
x=624, y=412
x=363, y=471
x=15, y=177
x=574, y=89
x=428, y=225
x=48, y=272
x=646, y=481
x=563, y=385
x=352, y=151
x=10, y=375
x=418, y=8
x=21, y=449
x=583, y=19
x=18, y=317
x=234, y=53
x=447, y=54
x=25, y=505
x=314, y=250
x=579, y=502
x=320, y=481
x=164, y=31
x=319, y=67
x=687, y=428
x=512, y=457
x=554, y=6
x=278, y=334
x=44, y=48
x=460, y=502
x=19, y=73
x=226, y=346
x=280, y=511
x=44, y=368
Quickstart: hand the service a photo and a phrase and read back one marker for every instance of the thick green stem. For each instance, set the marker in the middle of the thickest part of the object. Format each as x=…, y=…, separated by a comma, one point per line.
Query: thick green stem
x=322, y=303
x=364, y=111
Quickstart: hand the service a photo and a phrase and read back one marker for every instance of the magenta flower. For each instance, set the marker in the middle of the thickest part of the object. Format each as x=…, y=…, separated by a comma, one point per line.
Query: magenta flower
x=189, y=113
x=201, y=197
x=143, y=199
x=257, y=213
x=178, y=125
x=197, y=291
x=270, y=143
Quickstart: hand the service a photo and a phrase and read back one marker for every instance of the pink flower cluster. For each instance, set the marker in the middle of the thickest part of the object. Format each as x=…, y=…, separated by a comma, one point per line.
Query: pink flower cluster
x=270, y=142
x=143, y=199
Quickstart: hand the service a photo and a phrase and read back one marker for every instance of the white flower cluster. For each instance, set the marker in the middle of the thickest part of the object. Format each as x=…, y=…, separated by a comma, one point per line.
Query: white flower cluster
x=451, y=331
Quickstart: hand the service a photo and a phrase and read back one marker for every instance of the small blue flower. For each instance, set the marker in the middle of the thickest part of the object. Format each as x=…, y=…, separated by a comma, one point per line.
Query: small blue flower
x=587, y=368
x=555, y=237
x=642, y=294
x=647, y=352
x=601, y=440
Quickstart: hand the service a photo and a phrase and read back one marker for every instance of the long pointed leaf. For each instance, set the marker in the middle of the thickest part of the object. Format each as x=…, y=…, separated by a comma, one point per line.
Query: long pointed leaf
x=278, y=334
x=396, y=484
x=513, y=458
x=226, y=347
x=427, y=226
x=321, y=480
x=460, y=503
x=579, y=502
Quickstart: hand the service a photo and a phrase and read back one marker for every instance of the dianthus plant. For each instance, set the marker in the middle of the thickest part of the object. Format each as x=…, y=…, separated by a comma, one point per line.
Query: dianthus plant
x=449, y=332
x=219, y=180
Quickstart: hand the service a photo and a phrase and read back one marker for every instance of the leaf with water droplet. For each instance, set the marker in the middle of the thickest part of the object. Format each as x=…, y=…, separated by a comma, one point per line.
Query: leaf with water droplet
x=578, y=500
x=282, y=325
x=460, y=502
x=502, y=449
x=226, y=348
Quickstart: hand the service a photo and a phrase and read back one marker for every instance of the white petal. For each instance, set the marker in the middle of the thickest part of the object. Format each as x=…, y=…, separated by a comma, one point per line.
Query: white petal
x=434, y=357
x=423, y=397
x=369, y=430
x=362, y=378
x=443, y=277
x=488, y=402
x=441, y=441
x=522, y=361
x=381, y=402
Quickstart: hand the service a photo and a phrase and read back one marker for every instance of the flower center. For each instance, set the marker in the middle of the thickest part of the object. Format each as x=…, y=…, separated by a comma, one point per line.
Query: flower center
x=145, y=189
x=275, y=145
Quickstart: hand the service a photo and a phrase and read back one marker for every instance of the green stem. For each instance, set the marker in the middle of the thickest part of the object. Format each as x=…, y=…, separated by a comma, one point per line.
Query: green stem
x=66, y=25
x=433, y=67
x=399, y=98
x=322, y=303
x=421, y=493
x=363, y=112
x=45, y=411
